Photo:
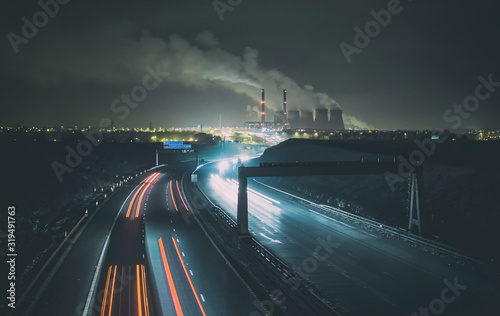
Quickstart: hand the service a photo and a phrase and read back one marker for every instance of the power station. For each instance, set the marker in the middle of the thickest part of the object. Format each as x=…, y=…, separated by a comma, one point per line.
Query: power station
x=320, y=119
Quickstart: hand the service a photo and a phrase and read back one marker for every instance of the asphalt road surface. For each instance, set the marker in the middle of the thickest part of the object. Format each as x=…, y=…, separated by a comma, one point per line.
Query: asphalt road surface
x=158, y=260
x=368, y=273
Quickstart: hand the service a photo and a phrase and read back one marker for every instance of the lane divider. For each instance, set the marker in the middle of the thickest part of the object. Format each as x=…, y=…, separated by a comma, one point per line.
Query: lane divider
x=90, y=297
x=188, y=277
x=170, y=280
x=145, y=290
x=106, y=291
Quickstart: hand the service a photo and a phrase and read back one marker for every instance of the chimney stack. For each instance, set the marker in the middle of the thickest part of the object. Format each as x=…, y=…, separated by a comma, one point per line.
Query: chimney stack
x=263, y=109
x=284, y=108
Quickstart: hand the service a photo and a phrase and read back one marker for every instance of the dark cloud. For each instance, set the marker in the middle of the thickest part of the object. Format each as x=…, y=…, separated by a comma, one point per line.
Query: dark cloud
x=424, y=61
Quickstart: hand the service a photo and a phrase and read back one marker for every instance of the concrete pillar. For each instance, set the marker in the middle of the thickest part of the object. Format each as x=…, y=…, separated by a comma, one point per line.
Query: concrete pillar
x=242, y=215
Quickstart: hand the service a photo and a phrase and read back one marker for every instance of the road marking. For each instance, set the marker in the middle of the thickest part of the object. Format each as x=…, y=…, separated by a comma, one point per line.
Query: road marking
x=183, y=254
x=112, y=291
x=371, y=235
x=170, y=280
x=389, y=302
x=202, y=298
x=332, y=219
x=189, y=279
x=389, y=274
x=106, y=290
x=99, y=263
x=191, y=272
x=273, y=240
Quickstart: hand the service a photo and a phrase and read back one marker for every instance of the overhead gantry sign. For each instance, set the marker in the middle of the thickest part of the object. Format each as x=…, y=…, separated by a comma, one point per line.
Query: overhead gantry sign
x=321, y=169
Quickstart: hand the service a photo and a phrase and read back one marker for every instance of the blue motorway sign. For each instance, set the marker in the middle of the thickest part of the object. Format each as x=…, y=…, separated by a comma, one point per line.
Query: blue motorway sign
x=177, y=147
x=169, y=143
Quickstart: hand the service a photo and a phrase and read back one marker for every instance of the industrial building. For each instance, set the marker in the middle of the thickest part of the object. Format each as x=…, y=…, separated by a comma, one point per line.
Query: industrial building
x=336, y=120
x=321, y=119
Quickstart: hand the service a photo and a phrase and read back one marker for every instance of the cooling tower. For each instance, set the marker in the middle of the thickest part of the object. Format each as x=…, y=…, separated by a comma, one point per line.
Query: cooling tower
x=336, y=120
x=293, y=118
x=321, y=119
x=306, y=119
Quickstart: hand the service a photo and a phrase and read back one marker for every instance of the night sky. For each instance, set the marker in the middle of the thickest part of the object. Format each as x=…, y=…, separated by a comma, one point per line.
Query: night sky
x=427, y=58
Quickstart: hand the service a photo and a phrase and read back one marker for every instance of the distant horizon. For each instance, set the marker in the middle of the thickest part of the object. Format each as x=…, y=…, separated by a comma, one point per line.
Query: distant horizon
x=154, y=129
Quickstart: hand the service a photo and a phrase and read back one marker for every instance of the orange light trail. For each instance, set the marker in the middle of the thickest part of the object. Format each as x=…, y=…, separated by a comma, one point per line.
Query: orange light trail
x=150, y=183
x=182, y=199
x=172, y=194
x=135, y=195
x=188, y=277
x=103, y=307
x=112, y=290
x=139, y=303
x=175, y=298
x=145, y=291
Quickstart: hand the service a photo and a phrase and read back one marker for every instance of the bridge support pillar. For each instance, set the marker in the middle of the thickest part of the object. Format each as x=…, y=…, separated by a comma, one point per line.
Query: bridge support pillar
x=242, y=215
x=414, y=216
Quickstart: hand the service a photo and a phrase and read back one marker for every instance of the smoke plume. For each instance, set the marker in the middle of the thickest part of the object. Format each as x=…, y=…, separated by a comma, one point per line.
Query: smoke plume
x=119, y=54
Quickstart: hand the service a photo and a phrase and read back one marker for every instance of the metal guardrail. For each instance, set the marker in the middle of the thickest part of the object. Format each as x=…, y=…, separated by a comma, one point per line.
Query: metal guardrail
x=225, y=218
x=407, y=236
x=266, y=259
x=445, y=249
x=265, y=254
x=249, y=243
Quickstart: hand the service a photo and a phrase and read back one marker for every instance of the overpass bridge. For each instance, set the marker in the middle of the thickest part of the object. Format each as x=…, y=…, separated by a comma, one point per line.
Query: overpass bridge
x=284, y=169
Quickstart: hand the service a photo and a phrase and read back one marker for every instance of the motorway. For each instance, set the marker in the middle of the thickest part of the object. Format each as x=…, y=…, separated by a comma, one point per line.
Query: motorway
x=157, y=259
x=369, y=274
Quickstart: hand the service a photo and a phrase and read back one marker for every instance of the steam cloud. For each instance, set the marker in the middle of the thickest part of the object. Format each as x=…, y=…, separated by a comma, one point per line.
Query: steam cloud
x=120, y=53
